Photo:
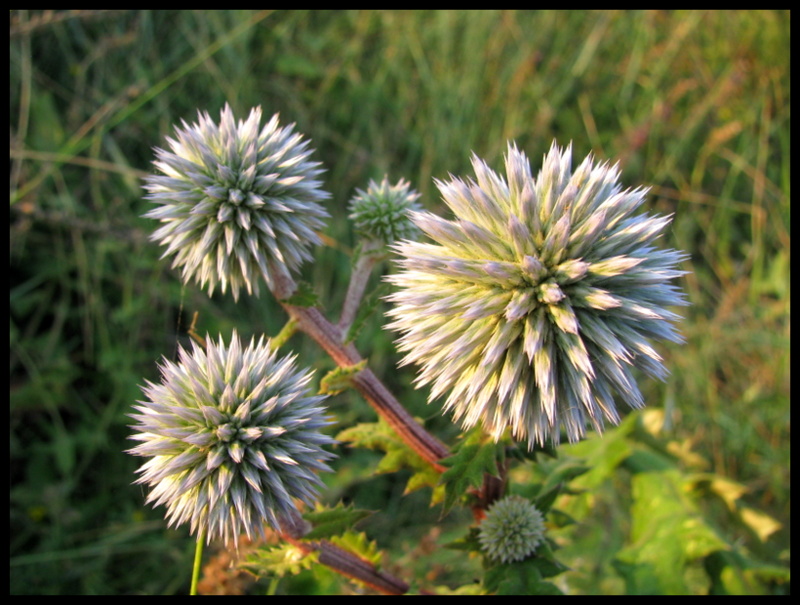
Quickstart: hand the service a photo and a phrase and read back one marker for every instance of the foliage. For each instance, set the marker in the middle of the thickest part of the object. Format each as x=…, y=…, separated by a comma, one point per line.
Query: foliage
x=379, y=436
x=694, y=103
x=475, y=456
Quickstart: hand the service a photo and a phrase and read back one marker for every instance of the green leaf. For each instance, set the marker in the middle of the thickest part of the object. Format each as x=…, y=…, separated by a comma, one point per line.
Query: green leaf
x=365, y=310
x=329, y=522
x=426, y=477
x=358, y=544
x=521, y=578
x=544, y=500
x=731, y=492
x=285, y=558
x=668, y=537
x=340, y=379
x=469, y=542
x=732, y=573
x=380, y=436
x=603, y=455
x=475, y=456
x=304, y=296
x=521, y=452
x=473, y=588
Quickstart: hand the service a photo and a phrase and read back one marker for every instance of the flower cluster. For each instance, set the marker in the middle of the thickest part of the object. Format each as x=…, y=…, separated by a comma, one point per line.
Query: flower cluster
x=512, y=530
x=233, y=436
x=381, y=213
x=238, y=202
x=535, y=303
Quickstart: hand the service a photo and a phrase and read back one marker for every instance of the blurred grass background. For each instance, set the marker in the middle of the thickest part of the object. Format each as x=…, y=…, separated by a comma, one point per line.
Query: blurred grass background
x=695, y=104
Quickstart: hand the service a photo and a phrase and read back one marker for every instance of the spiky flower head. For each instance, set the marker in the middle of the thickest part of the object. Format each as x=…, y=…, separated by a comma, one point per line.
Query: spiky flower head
x=233, y=436
x=512, y=529
x=537, y=301
x=239, y=202
x=381, y=212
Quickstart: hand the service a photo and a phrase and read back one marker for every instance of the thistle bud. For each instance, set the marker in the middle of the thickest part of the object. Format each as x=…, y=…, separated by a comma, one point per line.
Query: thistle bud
x=512, y=529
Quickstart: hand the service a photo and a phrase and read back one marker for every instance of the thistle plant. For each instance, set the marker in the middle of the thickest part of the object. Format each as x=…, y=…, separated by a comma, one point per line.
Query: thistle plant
x=512, y=530
x=233, y=436
x=531, y=309
x=239, y=202
x=539, y=298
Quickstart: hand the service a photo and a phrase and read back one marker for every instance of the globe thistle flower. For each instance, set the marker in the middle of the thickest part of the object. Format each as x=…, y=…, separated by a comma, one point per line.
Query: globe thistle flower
x=512, y=529
x=536, y=302
x=381, y=213
x=233, y=436
x=238, y=202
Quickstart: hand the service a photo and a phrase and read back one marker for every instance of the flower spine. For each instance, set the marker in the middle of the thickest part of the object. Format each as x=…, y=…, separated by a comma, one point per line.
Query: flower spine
x=535, y=303
x=238, y=202
x=233, y=439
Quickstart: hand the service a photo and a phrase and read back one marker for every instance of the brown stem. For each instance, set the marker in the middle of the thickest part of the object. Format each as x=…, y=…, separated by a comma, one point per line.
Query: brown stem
x=352, y=566
x=329, y=337
x=368, y=257
x=292, y=529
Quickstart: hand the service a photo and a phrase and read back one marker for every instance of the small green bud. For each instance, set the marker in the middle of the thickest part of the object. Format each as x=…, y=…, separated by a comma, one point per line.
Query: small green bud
x=512, y=530
x=382, y=212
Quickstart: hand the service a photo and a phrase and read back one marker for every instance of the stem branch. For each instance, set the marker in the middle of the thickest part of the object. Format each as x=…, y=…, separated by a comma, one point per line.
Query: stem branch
x=198, y=557
x=311, y=321
x=329, y=337
x=368, y=257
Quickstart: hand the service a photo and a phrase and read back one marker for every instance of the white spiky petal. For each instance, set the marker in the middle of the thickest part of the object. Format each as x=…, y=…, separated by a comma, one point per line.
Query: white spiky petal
x=238, y=202
x=535, y=303
x=512, y=529
x=233, y=436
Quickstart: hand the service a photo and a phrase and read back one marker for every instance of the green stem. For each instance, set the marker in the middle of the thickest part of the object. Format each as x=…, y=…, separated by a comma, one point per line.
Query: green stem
x=368, y=257
x=198, y=557
x=285, y=334
x=311, y=321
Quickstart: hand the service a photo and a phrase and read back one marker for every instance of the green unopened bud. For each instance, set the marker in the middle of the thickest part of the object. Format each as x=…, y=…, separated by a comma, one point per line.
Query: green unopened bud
x=382, y=212
x=512, y=530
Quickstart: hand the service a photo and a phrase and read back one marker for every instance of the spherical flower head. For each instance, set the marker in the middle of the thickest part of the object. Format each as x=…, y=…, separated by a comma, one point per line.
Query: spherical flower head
x=233, y=436
x=512, y=529
x=381, y=213
x=238, y=202
x=535, y=303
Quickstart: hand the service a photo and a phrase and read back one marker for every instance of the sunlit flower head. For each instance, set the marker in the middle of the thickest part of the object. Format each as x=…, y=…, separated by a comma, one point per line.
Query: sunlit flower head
x=238, y=201
x=534, y=305
x=233, y=439
x=381, y=213
x=512, y=529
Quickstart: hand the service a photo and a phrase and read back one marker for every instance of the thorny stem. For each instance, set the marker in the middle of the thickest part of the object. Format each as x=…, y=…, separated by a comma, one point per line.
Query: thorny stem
x=348, y=564
x=294, y=527
x=329, y=337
